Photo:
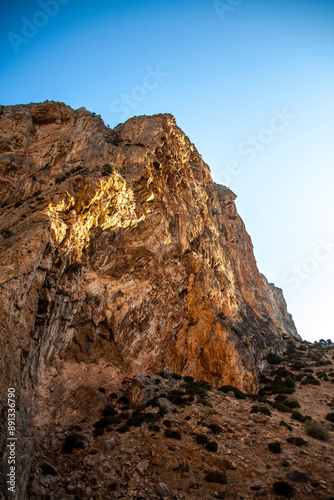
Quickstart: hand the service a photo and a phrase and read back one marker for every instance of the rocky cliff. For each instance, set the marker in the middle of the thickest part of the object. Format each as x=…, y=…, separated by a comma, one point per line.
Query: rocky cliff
x=119, y=255
x=278, y=306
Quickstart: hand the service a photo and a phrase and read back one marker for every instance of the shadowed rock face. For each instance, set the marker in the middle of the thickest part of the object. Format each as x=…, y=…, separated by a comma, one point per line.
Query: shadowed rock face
x=119, y=255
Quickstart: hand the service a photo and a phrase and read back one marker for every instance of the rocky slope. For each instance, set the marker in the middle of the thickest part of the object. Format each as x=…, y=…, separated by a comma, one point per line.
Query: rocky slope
x=118, y=254
x=163, y=437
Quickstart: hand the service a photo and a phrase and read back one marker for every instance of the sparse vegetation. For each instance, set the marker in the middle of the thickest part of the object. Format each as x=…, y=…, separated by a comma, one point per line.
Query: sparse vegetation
x=203, y=402
x=284, y=424
x=123, y=428
x=216, y=429
x=211, y=446
x=258, y=398
x=281, y=372
x=330, y=417
x=289, y=382
x=201, y=439
x=298, y=365
x=124, y=400
x=177, y=397
x=310, y=380
x=316, y=430
x=98, y=432
x=137, y=418
x=108, y=169
x=60, y=178
x=172, y=434
x=278, y=385
x=6, y=233
x=48, y=470
x=297, y=441
x=296, y=415
x=229, y=388
x=280, y=407
x=195, y=388
x=104, y=421
x=261, y=409
x=292, y=404
x=282, y=488
x=281, y=397
x=109, y=410
x=275, y=447
x=72, y=441
x=273, y=359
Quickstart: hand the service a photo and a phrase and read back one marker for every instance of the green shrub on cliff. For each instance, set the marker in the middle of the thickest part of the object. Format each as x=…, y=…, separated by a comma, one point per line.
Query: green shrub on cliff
x=72, y=441
x=172, y=434
x=229, y=388
x=330, y=417
x=211, y=446
x=275, y=447
x=273, y=359
x=104, y=421
x=316, y=430
x=109, y=169
x=201, y=439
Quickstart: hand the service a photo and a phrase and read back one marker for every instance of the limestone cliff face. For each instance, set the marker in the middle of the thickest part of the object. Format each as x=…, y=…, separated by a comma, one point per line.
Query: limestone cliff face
x=278, y=306
x=119, y=255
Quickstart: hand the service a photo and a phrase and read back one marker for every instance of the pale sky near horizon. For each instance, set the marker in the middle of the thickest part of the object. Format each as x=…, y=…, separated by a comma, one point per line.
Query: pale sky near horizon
x=251, y=82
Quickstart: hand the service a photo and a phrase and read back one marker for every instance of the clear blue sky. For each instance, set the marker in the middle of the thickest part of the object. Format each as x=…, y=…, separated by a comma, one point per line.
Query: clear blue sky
x=250, y=82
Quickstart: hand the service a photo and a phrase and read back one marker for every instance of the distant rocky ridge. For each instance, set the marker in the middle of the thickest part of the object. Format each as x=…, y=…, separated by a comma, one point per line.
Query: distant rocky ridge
x=278, y=305
x=119, y=255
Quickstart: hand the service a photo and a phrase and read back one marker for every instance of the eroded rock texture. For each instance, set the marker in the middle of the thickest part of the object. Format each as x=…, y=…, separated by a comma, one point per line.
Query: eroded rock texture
x=118, y=255
x=278, y=305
